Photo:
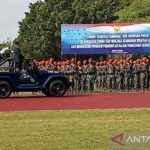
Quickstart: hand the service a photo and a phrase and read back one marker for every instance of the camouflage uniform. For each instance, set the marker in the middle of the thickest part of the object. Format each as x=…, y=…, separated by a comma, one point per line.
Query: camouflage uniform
x=122, y=74
x=84, y=79
x=54, y=68
x=79, y=73
x=117, y=76
x=59, y=68
x=104, y=75
x=90, y=77
x=148, y=77
x=62, y=68
x=142, y=76
x=110, y=76
x=127, y=76
x=66, y=70
x=50, y=67
x=98, y=76
x=136, y=71
x=73, y=77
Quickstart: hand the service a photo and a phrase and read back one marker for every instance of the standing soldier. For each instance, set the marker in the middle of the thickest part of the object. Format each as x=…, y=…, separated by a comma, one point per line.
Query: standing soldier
x=134, y=76
x=131, y=78
x=73, y=75
x=136, y=72
x=42, y=66
x=104, y=74
x=51, y=66
x=128, y=71
x=110, y=75
x=63, y=63
x=18, y=57
x=46, y=65
x=142, y=75
x=148, y=73
x=66, y=69
x=90, y=75
x=122, y=75
x=59, y=68
x=54, y=68
x=98, y=75
x=84, y=77
x=117, y=75
x=79, y=75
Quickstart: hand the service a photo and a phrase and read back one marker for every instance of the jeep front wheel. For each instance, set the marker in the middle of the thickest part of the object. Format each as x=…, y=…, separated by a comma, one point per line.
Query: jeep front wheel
x=57, y=88
x=5, y=89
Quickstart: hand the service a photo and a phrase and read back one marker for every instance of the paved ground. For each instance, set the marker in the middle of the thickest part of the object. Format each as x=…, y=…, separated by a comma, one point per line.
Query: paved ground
x=68, y=102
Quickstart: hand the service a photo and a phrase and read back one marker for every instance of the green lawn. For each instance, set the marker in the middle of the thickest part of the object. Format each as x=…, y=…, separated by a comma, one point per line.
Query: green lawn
x=68, y=130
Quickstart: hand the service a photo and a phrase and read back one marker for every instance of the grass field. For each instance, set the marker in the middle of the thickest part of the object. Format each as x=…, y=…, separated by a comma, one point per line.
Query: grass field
x=68, y=130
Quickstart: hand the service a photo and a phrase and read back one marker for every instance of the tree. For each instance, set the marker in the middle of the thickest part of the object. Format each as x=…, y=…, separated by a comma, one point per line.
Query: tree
x=40, y=30
x=138, y=11
x=6, y=45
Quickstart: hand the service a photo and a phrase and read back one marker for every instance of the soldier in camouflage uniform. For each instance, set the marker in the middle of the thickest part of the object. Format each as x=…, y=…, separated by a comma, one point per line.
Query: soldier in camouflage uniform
x=50, y=66
x=122, y=75
x=104, y=74
x=73, y=75
x=147, y=78
x=79, y=75
x=98, y=75
x=136, y=74
x=101, y=71
x=66, y=69
x=116, y=75
x=143, y=74
x=90, y=75
x=84, y=77
x=54, y=67
x=46, y=65
x=127, y=75
x=110, y=76
x=59, y=68
x=42, y=65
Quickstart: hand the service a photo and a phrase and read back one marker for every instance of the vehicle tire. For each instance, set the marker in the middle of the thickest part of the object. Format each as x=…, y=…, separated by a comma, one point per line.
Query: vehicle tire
x=5, y=89
x=57, y=88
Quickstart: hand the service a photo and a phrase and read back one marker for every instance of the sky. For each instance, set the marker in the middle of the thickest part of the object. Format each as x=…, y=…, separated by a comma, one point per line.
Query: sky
x=11, y=12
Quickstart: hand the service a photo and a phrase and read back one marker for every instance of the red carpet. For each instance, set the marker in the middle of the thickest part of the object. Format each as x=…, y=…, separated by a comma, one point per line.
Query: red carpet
x=69, y=102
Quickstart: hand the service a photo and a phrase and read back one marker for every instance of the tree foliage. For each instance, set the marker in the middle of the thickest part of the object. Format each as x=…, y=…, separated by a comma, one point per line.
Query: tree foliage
x=5, y=45
x=40, y=30
x=138, y=11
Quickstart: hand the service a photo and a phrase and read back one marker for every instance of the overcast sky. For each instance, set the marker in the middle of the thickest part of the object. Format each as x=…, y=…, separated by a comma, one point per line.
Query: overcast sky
x=11, y=12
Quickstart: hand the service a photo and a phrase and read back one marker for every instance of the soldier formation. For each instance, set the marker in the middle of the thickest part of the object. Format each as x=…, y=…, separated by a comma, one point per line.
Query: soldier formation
x=113, y=75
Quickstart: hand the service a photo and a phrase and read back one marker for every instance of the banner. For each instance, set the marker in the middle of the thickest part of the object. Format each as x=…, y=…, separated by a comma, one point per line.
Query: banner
x=105, y=38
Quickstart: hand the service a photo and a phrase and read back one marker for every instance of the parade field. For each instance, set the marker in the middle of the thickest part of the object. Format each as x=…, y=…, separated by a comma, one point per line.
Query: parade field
x=73, y=122
x=68, y=130
x=75, y=75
